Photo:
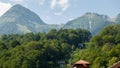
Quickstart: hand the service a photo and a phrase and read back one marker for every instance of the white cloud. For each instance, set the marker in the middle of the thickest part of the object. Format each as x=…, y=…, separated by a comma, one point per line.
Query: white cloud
x=53, y=4
x=61, y=3
x=4, y=7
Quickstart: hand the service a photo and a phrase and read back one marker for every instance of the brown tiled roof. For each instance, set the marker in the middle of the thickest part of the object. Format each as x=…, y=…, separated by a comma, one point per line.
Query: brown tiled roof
x=82, y=62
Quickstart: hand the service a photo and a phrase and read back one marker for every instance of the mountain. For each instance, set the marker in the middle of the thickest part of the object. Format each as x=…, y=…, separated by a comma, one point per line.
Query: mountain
x=117, y=19
x=19, y=19
x=90, y=21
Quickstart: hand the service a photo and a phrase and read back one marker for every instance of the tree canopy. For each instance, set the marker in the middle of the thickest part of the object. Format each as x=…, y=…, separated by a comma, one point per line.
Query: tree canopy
x=40, y=50
x=103, y=50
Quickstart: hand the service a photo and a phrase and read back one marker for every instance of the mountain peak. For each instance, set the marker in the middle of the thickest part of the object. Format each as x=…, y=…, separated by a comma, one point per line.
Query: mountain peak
x=22, y=14
x=17, y=9
x=90, y=21
x=17, y=5
x=19, y=19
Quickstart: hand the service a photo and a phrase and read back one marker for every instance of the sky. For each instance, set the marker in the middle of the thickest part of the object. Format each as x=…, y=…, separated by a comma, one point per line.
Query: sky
x=62, y=11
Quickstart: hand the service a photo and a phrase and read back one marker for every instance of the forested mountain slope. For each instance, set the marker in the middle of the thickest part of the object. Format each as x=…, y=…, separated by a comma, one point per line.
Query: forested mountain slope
x=103, y=50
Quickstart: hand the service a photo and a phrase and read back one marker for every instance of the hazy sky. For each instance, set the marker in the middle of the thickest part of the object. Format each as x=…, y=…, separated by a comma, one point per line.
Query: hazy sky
x=61, y=11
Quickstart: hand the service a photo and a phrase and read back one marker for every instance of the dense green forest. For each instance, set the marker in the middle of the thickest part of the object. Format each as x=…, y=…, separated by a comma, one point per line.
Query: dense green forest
x=40, y=50
x=44, y=50
x=102, y=51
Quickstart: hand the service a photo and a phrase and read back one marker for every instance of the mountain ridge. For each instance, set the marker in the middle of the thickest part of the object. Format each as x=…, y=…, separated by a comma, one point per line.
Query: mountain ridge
x=89, y=21
x=19, y=19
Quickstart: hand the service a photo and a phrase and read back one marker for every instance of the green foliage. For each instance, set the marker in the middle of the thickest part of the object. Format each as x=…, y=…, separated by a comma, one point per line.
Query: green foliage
x=40, y=50
x=13, y=43
x=103, y=50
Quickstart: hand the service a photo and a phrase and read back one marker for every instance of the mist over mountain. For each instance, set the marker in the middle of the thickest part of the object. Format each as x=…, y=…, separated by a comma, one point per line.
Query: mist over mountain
x=19, y=20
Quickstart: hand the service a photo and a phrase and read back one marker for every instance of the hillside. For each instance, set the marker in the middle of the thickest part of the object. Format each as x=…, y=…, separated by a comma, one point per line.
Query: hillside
x=103, y=50
x=20, y=20
x=89, y=21
x=117, y=20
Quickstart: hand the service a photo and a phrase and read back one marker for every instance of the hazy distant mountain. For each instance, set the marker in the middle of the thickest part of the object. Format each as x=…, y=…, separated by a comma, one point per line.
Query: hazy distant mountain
x=19, y=19
x=90, y=21
x=117, y=20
